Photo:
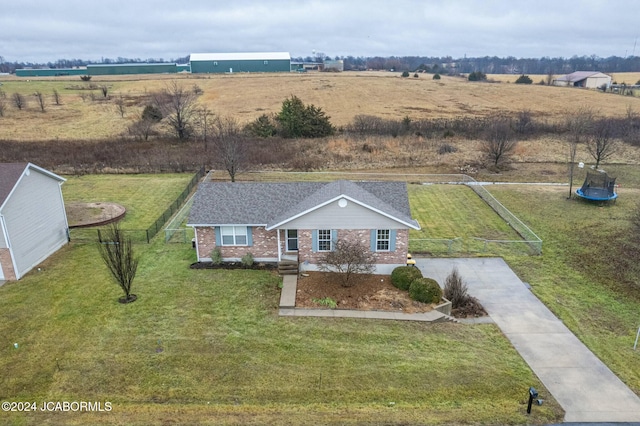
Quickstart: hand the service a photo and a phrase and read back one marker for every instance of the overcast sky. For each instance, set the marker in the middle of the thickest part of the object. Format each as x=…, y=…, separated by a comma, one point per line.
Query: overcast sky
x=47, y=30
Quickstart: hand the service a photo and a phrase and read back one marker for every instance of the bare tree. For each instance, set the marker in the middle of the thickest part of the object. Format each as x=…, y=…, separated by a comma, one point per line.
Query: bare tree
x=602, y=145
x=229, y=146
x=204, y=123
x=19, y=101
x=549, y=79
x=142, y=128
x=40, y=99
x=578, y=125
x=347, y=259
x=120, y=105
x=499, y=140
x=105, y=90
x=117, y=253
x=178, y=105
x=56, y=97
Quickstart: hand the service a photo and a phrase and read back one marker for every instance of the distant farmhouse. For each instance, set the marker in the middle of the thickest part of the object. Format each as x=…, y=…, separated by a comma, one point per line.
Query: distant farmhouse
x=587, y=79
x=240, y=62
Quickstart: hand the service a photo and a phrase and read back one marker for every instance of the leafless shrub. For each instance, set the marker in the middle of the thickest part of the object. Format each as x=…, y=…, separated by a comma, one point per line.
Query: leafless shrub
x=105, y=90
x=19, y=101
x=456, y=291
x=3, y=106
x=120, y=105
x=348, y=259
x=41, y=101
x=445, y=148
x=178, y=105
x=499, y=141
x=230, y=147
x=56, y=97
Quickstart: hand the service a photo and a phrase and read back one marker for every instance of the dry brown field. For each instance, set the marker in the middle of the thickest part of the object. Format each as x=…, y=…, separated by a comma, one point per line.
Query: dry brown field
x=246, y=96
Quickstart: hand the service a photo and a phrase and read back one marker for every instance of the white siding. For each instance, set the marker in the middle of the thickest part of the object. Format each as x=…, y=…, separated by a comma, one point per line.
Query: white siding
x=353, y=216
x=3, y=241
x=35, y=220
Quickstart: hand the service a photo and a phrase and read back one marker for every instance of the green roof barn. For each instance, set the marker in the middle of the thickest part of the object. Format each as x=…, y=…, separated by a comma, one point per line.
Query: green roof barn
x=240, y=62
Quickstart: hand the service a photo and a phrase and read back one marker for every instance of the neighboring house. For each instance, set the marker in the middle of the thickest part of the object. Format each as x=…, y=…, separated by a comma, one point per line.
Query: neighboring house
x=302, y=220
x=588, y=79
x=33, y=222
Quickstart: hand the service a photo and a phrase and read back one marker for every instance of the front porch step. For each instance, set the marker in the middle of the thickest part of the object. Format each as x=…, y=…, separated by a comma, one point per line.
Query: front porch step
x=288, y=267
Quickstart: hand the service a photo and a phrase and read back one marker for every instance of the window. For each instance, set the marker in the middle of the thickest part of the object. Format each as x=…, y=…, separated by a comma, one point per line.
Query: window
x=266, y=62
x=234, y=235
x=324, y=240
x=215, y=63
x=382, y=239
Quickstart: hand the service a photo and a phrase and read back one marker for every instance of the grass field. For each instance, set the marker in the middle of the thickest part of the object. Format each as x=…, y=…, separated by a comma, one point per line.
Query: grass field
x=247, y=96
x=208, y=347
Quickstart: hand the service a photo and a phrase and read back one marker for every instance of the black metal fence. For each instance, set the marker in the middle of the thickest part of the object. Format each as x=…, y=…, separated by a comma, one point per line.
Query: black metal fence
x=142, y=235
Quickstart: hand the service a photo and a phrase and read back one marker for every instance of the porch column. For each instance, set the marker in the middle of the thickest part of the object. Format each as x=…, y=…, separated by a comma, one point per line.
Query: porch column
x=279, y=246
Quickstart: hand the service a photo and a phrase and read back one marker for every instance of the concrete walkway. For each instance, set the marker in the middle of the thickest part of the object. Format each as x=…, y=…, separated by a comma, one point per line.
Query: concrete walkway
x=585, y=388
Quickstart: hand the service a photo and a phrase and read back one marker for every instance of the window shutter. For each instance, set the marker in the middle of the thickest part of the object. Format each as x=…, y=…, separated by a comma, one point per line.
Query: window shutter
x=392, y=240
x=374, y=236
x=249, y=236
x=334, y=239
x=314, y=240
x=218, y=236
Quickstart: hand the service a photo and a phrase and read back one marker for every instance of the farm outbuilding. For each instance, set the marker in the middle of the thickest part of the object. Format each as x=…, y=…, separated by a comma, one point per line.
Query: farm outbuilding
x=240, y=62
x=50, y=72
x=33, y=222
x=135, y=68
x=588, y=79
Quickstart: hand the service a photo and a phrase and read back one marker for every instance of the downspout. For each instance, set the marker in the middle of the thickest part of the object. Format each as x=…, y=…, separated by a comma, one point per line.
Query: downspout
x=279, y=246
x=8, y=241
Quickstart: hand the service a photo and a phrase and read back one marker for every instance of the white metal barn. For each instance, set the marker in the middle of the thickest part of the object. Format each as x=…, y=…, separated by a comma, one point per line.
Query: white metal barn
x=588, y=79
x=33, y=222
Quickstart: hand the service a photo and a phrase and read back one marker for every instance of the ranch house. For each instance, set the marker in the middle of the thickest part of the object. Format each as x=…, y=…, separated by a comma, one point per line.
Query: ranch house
x=33, y=222
x=298, y=222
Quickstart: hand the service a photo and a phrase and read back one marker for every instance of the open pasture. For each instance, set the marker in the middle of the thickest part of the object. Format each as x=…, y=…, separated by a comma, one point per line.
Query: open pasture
x=85, y=114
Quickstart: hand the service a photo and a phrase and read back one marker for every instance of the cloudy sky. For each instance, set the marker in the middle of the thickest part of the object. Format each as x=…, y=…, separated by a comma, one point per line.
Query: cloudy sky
x=47, y=30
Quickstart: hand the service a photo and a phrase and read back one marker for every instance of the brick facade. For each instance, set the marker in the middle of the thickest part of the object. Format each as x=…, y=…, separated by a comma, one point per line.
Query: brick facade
x=7, y=265
x=265, y=244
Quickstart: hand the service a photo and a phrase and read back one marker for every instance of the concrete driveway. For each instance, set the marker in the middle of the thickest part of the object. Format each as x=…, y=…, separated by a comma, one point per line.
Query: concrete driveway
x=585, y=388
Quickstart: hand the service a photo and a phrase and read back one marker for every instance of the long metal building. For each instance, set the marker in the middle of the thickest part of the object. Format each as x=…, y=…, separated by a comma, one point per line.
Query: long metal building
x=240, y=62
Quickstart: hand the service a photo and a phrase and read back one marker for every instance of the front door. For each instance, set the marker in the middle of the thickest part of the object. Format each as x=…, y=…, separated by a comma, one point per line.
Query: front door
x=292, y=240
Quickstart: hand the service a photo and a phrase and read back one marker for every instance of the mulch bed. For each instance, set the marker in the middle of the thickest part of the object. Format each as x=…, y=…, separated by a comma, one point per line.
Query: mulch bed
x=234, y=265
x=369, y=292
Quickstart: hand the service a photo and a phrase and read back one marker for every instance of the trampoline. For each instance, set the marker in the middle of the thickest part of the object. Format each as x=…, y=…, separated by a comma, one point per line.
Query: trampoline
x=598, y=187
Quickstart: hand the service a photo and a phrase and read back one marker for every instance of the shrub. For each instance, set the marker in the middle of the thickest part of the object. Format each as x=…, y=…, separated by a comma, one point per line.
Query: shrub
x=403, y=276
x=524, y=79
x=405, y=74
x=262, y=127
x=445, y=148
x=85, y=77
x=425, y=290
x=152, y=113
x=247, y=260
x=455, y=289
x=326, y=301
x=436, y=76
x=298, y=120
x=216, y=256
x=416, y=75
x=477, y=76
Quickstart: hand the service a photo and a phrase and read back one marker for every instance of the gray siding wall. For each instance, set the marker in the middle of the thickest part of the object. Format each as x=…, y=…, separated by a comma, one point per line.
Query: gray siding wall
x=3, y=240
x=353, y=216
x=35, y=220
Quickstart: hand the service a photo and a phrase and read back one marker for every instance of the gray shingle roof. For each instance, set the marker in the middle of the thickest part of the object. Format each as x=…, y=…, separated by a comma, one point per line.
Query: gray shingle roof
x=9, y=175
x=271, y=204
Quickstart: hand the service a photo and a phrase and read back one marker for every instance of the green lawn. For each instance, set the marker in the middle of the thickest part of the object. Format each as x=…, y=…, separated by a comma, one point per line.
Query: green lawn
x=583, y=276
x=202, y=346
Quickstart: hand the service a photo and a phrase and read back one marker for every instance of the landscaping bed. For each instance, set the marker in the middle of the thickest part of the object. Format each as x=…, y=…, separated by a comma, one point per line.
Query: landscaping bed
x=369, y=292
x=234, y=265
